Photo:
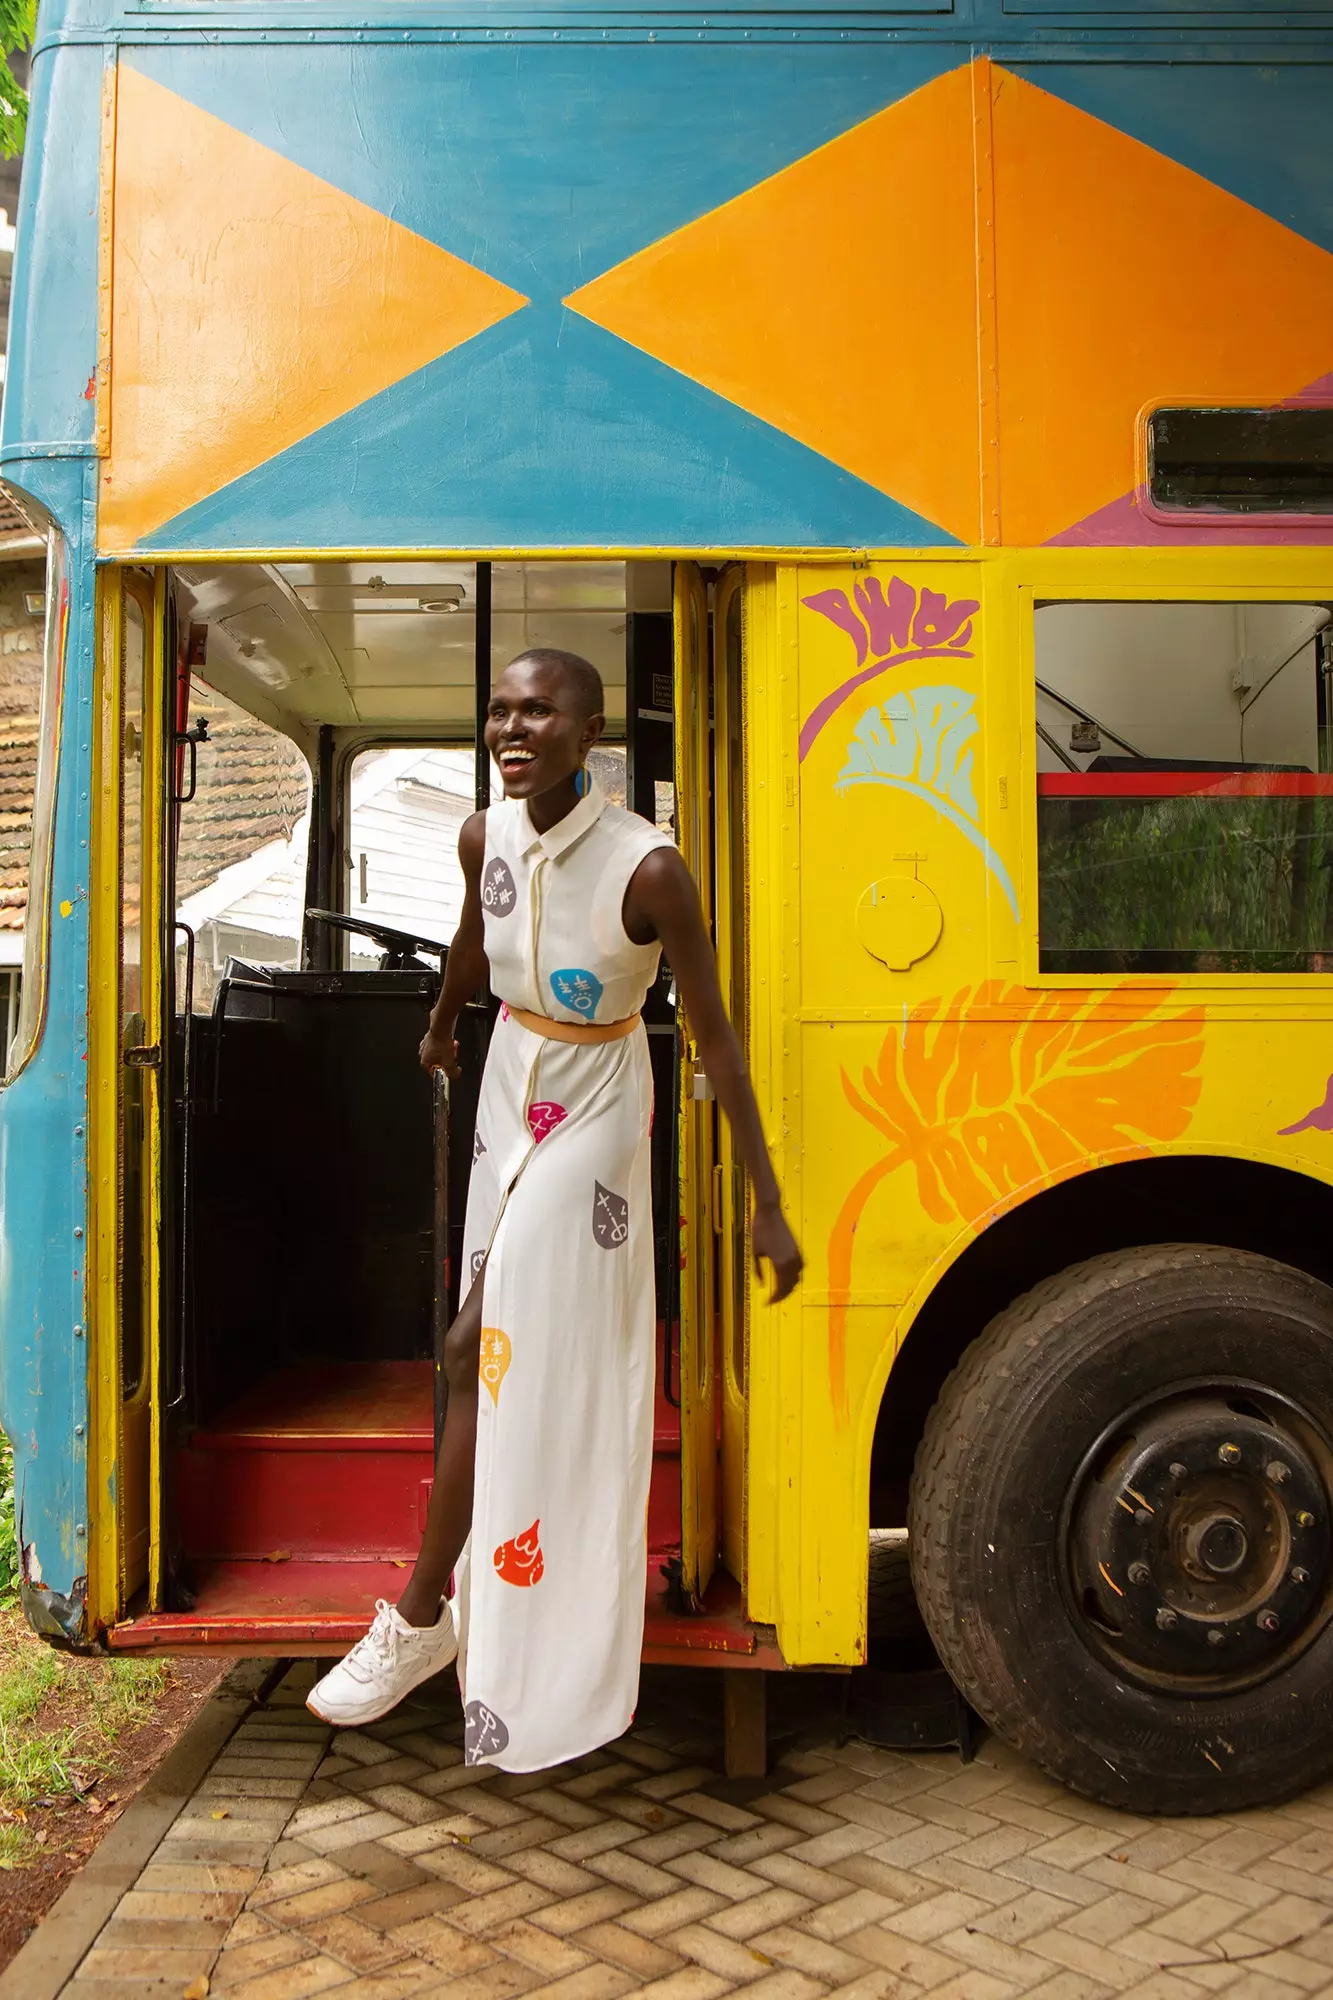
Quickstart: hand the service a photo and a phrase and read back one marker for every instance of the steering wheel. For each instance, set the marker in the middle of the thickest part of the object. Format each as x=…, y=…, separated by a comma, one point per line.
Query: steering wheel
x=399, y=947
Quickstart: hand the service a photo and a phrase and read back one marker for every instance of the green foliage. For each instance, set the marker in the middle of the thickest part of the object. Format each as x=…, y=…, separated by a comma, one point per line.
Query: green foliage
x=9, y=1543
x=18, y=24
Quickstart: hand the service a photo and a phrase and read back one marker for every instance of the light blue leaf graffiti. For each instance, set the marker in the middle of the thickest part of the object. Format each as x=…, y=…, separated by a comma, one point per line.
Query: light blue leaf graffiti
x=919, y=741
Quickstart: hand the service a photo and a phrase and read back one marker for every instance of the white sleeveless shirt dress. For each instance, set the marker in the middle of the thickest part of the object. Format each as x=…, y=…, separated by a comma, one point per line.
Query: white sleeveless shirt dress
x=549, y=1592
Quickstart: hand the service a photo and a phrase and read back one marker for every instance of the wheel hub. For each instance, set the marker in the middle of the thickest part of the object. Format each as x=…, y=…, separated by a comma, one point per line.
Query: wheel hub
x=1199, y=1537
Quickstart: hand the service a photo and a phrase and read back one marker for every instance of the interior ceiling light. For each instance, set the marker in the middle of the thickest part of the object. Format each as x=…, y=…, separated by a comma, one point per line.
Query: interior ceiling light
x=448, y=599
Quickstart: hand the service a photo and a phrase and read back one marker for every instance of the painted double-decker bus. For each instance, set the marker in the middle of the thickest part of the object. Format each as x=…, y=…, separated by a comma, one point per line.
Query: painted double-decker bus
x=922, y=417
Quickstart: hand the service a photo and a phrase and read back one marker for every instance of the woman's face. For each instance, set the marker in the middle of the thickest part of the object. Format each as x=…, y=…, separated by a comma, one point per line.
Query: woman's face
x=535, y=729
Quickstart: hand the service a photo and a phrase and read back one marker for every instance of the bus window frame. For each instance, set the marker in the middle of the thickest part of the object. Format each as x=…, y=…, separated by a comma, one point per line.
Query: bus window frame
x=45, y=801
x=1104, y=576
x=1222, y=521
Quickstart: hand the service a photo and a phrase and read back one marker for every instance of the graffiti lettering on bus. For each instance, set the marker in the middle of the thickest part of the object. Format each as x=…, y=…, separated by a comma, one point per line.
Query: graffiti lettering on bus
x=896, y=627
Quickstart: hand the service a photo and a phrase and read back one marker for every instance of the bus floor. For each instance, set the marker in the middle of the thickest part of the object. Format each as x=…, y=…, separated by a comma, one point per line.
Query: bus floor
x=303, y=1502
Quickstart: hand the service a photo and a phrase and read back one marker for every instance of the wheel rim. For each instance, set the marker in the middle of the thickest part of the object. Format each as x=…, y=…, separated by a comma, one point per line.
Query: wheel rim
x=1196, y=1537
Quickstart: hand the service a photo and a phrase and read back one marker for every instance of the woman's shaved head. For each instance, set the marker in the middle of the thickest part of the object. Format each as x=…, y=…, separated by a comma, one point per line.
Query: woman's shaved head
x=580, y=674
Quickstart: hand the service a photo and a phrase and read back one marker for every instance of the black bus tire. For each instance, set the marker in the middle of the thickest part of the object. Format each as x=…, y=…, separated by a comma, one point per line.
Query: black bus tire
x=1205, y=1375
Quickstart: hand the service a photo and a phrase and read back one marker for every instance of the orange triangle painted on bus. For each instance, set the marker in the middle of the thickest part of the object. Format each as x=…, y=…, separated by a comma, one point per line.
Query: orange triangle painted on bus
x=251, y=304
x=836, y=301
x=1124, y=280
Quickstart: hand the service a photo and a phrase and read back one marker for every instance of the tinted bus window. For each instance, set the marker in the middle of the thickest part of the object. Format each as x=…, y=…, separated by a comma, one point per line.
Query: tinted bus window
x=1242, y=461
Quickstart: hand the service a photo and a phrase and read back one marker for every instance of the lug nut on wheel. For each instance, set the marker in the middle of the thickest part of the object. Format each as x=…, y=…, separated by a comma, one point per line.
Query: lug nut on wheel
x=1299, y=1575
x=1177, y=1470
x=1305, y=1519
x=1140, y=1573
x=1267, y=1621
x=1229, y=1454
x=1166, y=1619
x=1278, y=1472
x=1215, y=1638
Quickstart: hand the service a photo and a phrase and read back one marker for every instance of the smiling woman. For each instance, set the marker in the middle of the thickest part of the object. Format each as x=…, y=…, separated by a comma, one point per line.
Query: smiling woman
x=569, y=903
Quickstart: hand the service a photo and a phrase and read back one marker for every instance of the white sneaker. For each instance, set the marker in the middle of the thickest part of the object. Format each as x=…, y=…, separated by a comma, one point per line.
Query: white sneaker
x=392, y=1659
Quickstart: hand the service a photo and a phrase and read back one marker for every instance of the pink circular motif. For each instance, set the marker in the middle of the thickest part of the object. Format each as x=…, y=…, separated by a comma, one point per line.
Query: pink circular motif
x=543, y=1119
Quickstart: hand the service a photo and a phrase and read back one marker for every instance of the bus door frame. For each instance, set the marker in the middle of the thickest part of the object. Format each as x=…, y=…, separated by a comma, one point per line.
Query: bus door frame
x=698, y=1297
x=731, y=937
x=714, y=1203
x=125, y=1486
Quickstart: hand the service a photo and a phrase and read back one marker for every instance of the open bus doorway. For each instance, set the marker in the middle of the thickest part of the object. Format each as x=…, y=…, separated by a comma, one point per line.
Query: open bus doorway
x=332, y=709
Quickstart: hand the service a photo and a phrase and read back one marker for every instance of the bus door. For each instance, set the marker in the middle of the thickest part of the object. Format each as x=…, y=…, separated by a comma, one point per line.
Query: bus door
x=126, y=1042
x=713, y=1285
x=731, y=935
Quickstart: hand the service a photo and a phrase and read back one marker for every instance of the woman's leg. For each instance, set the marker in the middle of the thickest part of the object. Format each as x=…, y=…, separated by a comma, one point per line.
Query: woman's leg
x=450, y=1513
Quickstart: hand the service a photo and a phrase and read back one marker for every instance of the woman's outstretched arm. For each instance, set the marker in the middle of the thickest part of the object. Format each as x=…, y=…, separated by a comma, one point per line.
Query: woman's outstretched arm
x=662, y=903
x=465, y=969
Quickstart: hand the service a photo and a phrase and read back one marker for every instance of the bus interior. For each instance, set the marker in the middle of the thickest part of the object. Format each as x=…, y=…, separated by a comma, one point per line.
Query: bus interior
x=324, y=718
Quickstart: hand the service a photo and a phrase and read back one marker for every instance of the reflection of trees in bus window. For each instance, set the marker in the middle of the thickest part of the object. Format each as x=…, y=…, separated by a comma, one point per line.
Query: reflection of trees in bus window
x=1185, y=787
x=241, y=851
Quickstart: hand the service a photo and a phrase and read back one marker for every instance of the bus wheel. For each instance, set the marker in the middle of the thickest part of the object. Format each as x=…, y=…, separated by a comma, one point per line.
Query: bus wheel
x=1121, y=1520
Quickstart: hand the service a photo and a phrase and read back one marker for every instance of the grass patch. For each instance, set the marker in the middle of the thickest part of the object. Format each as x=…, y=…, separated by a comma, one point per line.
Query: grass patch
x=62, y=1721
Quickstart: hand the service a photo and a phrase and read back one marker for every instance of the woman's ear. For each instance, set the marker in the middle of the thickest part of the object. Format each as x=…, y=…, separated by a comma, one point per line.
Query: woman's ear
x=592, y=731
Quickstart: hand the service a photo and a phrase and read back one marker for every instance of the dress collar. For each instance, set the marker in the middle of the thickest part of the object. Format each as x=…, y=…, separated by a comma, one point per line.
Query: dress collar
x=566, y=831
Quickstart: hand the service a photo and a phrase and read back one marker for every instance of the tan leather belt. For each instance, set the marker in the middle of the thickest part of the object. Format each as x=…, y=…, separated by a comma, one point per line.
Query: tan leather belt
x=574, y=1031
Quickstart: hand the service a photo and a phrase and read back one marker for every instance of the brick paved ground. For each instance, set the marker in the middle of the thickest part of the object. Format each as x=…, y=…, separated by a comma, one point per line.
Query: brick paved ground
x=378, y=1865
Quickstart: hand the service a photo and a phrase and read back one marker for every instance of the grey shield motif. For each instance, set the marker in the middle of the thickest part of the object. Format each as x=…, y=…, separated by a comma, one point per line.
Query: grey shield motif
x=484, y=1733
x=610, y=1217
x=498, y=894
x=478, y=1147
x=478, y=1259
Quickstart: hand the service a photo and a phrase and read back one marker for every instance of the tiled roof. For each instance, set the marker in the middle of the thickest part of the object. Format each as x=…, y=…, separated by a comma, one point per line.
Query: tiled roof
x=253, y=788
x=254, y=785
x=12, y=522
x=18, y=770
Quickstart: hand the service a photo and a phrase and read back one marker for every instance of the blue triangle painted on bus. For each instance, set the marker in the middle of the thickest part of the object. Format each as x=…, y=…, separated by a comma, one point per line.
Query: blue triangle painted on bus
x=545, y=168
x=547, y=432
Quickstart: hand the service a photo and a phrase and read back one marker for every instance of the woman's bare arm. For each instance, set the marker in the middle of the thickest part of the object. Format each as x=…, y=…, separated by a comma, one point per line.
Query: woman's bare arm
x=662, y=903
x=465, y=969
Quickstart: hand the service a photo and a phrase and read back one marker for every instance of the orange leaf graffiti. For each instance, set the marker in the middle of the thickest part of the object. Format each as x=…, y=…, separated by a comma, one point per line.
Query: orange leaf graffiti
x=1000, y=1090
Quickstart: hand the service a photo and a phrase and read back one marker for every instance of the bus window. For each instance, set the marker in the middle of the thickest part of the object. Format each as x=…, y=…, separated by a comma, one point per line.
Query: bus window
x=1185, y=787
x=23, y=1019
x=241, y=847
x=1242, y=461
x=576, y=607
x=406, y=806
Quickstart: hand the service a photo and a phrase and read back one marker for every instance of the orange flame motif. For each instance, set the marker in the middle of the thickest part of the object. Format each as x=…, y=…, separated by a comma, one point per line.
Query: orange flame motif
x=520, y=1561
x=496, y=1354
x=1000, y=1090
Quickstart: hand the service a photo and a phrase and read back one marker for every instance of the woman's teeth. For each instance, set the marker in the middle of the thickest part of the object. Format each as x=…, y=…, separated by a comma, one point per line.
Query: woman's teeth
x=517, y=756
